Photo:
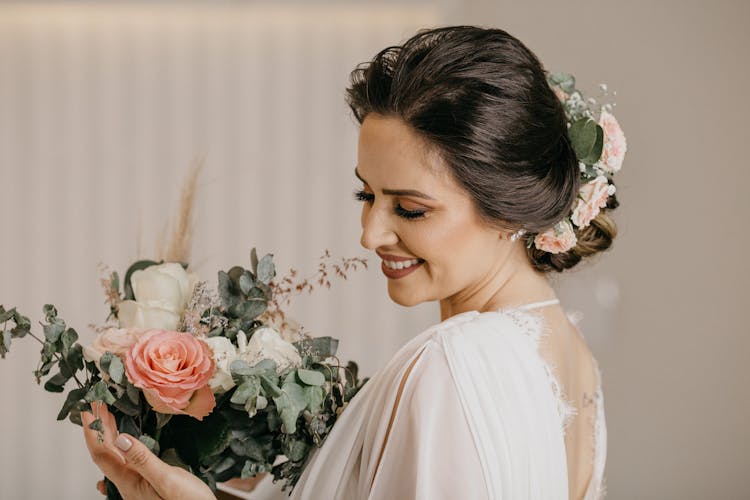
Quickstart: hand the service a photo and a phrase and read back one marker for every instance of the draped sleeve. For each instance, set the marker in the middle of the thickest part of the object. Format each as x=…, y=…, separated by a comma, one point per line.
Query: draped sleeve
x=477, y=419
x=429, y=452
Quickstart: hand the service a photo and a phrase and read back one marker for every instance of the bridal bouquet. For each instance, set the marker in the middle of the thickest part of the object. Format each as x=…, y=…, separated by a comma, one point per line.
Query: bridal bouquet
x=217, y=381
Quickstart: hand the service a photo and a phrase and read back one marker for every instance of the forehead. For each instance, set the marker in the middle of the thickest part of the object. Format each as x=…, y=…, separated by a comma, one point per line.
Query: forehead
x=391, y=151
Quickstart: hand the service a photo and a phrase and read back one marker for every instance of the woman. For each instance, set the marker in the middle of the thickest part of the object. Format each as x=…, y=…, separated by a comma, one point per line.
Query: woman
x=465, y=164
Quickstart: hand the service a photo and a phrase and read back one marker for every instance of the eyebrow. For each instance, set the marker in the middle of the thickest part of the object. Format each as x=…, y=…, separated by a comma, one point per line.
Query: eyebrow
x=398, y=192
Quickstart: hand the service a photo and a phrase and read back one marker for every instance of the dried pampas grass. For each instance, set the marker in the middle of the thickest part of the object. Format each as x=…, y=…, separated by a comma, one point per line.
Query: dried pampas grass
x=181, y=233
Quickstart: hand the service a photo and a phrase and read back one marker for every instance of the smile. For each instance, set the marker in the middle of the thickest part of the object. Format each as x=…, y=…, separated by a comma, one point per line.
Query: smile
x=403, y=264
x=396, y=269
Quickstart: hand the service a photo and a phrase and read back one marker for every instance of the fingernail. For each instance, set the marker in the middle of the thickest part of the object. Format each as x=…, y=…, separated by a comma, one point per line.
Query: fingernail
x=123, y=443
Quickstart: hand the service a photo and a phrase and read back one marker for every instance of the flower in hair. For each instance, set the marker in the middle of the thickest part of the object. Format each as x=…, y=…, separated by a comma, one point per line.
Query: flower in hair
x=558, y=239
x=615, y=144
x=592, y=197
x=599, y=145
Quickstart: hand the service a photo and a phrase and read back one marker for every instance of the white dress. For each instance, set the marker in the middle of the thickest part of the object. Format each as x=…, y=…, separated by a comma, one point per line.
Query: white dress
x=481, y=416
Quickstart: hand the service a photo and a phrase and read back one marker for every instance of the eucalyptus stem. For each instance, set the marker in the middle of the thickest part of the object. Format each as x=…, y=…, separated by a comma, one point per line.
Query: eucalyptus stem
x=60, y=359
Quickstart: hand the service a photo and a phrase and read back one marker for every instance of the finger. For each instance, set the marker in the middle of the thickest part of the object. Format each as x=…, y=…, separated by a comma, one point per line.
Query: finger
x=140, y=459
x=103, y=449
x=100, y=486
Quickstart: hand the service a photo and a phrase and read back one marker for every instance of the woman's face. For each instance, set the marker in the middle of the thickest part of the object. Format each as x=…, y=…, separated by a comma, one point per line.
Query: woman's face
x=422, y=224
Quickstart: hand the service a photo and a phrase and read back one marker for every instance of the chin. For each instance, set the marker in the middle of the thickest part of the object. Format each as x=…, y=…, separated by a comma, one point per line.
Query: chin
x=404, y=297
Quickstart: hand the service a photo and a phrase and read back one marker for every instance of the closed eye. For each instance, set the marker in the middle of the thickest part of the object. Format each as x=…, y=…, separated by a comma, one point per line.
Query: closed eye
x=362, y=195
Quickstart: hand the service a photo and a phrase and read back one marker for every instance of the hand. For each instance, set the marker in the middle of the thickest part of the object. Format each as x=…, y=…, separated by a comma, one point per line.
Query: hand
x=137, y=473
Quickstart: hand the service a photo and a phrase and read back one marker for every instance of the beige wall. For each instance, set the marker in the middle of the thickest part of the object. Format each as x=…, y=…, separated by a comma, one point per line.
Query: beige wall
x=102, y=110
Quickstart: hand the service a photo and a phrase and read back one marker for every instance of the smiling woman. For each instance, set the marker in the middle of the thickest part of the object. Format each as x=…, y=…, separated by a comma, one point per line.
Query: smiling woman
x=467, y=172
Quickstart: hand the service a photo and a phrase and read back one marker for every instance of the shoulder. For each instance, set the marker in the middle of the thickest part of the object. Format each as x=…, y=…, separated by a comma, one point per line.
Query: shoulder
x=466, y=344
x=492, y=330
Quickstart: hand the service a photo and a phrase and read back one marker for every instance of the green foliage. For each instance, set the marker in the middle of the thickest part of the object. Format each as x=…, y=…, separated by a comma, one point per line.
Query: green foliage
x=565, y=81
x=587, y=139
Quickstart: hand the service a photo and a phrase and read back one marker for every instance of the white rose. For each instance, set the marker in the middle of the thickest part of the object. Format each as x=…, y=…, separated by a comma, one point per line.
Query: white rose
x=266, y=343
x=162, y=293
x=224, y=353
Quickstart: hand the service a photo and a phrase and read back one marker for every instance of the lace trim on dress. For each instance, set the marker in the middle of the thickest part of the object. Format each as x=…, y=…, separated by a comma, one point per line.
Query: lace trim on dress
x=532, y=324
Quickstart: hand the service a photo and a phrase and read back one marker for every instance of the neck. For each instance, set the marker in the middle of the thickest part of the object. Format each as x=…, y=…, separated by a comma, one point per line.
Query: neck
x=512, y=281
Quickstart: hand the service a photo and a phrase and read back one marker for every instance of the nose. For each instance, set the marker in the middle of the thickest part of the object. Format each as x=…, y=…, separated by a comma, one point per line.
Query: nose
x=377, y=230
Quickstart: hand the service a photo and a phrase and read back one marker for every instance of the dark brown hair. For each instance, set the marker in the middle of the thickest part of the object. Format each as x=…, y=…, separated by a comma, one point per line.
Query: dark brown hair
x=481, y=97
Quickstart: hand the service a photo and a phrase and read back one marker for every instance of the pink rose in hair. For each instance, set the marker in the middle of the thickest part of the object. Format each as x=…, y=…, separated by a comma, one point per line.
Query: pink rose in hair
x=591, y=199
x=615, y=144
x=560, y=93
x=558, y=239
x=173, y=370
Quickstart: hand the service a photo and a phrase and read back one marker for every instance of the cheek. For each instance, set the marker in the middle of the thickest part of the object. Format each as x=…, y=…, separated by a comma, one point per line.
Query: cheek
x=456, y=253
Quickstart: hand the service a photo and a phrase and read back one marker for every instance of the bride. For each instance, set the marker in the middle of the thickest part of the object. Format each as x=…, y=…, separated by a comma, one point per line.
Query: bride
x=468, y=183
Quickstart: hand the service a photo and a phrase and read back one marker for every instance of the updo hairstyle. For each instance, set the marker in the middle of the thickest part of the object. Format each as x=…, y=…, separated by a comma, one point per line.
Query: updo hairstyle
x=481, y=98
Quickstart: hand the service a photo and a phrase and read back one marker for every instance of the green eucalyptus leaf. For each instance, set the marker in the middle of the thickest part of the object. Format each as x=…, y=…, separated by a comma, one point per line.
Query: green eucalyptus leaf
x=56, y=383
x=248, y=390
x=254, y=261
x=315, y=397
x=74, y=359
x=292, y=401
x=252, y=468
x=246, y=282
x=49, y=311
x=587, y=139
x=150, y=443
x=100, y=392
x=171, y=457
x=296, y=449
x=162, y=419
x=6, y=315
x=23, y=325
x=53, y=330
x=74, y=397
x=266, y=269
x=128, y=425
x=318, y=347
x=116, y=370
x=4, y=343
x=68, y=338
x=133, y=394
x=240, y=368
x=565, y=81
x=125, y=405
x=270, y=386
x=248, y=309
x=96, y=425
x=311, y=377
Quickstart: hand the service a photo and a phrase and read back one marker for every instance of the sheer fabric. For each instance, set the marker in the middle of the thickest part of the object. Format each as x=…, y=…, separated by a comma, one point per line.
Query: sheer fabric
x=480, y=416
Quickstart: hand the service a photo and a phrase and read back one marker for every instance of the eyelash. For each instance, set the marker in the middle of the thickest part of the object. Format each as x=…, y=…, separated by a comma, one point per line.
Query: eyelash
x=361, y=195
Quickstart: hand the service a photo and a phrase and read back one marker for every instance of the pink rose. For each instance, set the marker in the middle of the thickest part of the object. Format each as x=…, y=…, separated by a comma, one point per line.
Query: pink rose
x=559, y=238
x=115, y=340
x=615, y=144
x=173, y=370
x=591, y=199
x=560, y=93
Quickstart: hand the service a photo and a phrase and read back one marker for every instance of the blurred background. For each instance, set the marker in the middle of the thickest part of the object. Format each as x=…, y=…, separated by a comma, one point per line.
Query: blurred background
x=105, y=105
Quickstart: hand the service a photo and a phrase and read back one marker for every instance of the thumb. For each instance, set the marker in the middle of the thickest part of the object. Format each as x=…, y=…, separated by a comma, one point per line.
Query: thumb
x=140, y=459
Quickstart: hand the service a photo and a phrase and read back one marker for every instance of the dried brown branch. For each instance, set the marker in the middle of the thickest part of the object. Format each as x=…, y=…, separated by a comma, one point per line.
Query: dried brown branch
x=180, y=241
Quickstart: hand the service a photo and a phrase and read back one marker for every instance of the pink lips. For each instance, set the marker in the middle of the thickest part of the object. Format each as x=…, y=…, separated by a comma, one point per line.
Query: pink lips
x=397, y=273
